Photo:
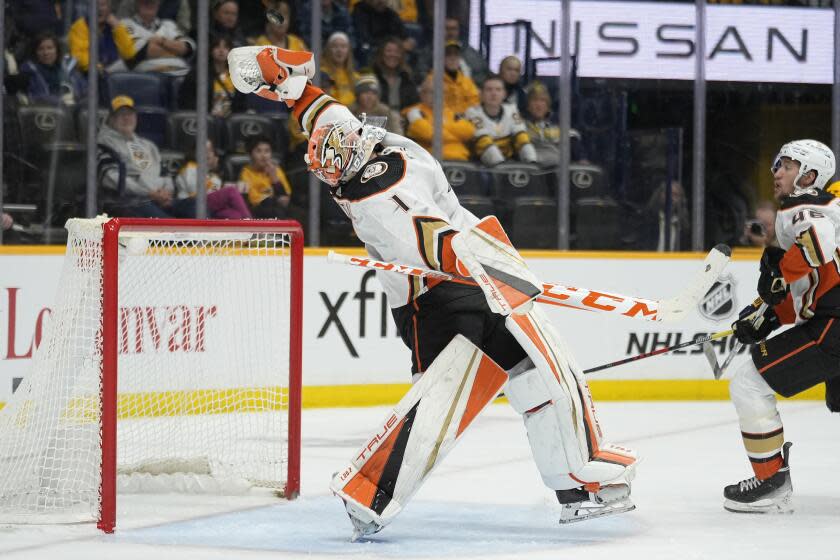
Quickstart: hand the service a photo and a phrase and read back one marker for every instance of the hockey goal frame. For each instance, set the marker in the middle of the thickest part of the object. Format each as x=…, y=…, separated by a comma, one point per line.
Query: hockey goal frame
x=110, y=320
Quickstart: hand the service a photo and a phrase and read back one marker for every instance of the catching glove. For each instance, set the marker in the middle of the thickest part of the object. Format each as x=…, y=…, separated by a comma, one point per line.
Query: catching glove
x=270, y=72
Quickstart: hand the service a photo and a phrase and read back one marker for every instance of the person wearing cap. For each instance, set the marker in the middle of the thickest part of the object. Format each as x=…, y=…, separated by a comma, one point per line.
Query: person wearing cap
x=367, y=102
x=160, y=45
x=457, y=131
x=459, y=91
x=543, y=130
x=130, y=170
x=472, y=63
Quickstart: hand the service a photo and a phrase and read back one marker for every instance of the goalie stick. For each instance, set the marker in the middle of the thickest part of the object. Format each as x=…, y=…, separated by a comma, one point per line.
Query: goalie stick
x=584, y=299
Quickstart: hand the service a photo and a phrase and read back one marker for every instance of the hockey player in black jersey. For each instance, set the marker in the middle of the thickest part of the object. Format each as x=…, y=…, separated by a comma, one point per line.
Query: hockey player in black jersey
x=800, y=282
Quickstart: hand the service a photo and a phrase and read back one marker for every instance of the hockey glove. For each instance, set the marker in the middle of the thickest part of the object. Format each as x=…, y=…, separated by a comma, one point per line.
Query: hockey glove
x=751, y=328
x=270, y=72
x=772, y=287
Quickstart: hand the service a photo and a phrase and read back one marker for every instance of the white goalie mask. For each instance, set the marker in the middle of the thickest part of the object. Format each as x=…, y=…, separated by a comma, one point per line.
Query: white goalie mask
x=337, y=151
x=812, y=156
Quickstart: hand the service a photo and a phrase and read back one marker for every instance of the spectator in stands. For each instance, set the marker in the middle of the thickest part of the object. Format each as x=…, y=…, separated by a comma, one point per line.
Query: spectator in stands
x=456, y=134
x=368, y=102
x=510, y=70
x=397, y=85
x=334, y=17
x=544, y=131
x=226, y=22
x=269, y=191
x=278, y=34
x=654, y=221
x=223, y=201
x=761, y=230
x=500, y=133
x=337, y=63
x=459, y=91
x=223, y=97
x=51, y=76
x=130, y=170
x=35, y=16
x=375, y=22
x=471, y=63
x=175, y=10
x=160, y=45
x=115, y=43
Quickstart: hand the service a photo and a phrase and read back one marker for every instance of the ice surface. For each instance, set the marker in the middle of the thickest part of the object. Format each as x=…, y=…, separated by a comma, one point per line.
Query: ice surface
x=486, y=499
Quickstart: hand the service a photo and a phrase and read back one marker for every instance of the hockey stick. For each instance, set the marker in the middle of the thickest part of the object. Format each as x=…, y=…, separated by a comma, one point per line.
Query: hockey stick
x=584, y=299
x=702, y=340
x=709, y=352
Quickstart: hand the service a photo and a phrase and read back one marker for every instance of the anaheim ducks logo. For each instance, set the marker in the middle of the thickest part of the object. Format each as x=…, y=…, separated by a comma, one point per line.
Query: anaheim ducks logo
x=375, y=169
x=719, y=301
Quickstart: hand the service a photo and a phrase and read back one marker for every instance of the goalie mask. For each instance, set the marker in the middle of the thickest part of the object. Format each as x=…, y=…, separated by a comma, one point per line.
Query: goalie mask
x=812, y=156
x=339, y=150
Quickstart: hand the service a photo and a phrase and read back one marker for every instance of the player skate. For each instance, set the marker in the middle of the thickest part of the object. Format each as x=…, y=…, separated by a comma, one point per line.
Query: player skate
x=579, y=504
x=754, y=495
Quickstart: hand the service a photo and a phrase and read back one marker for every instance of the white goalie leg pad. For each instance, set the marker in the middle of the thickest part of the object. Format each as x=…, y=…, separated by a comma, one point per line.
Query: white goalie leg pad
x=416, y=436
x=500, y=271
x=558, y=412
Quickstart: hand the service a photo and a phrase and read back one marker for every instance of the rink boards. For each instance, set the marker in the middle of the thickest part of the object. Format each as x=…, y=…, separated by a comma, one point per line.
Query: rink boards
x=353, y=355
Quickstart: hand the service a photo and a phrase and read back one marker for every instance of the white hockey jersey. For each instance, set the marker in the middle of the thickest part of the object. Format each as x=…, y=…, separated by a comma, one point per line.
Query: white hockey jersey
x=400, y=203
x=808, y=229
x=500, y=138
x=165, y=28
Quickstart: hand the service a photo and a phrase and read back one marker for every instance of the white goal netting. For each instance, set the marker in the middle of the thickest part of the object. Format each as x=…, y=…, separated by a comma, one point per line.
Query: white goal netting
x=203, y=370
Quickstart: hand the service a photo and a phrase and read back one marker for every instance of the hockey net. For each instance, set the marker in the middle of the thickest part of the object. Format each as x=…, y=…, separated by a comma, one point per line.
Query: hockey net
x=171, y=363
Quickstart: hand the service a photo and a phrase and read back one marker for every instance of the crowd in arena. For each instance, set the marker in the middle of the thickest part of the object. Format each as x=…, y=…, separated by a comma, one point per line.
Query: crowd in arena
x=377, y=59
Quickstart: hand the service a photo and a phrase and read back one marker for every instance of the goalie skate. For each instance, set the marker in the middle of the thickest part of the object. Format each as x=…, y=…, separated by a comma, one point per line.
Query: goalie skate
x=363, y=524
x=580, y=505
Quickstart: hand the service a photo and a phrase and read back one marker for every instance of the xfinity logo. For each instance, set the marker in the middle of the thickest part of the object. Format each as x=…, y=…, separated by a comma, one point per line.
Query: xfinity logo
x=343, y=301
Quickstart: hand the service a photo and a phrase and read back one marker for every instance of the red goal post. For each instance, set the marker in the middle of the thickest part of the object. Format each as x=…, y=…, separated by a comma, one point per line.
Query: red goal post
x=190, y=333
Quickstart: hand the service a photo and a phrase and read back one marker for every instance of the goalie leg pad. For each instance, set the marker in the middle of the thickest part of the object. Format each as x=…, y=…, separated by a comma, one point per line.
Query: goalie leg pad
x=500, y=271
x=559, y=415
x=416, y=436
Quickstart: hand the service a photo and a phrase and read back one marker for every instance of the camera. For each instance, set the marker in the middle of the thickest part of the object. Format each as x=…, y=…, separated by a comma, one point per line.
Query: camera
x=756, y=227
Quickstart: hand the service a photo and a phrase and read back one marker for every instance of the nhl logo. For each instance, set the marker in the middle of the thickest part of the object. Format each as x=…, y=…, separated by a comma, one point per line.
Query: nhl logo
x=719, y=301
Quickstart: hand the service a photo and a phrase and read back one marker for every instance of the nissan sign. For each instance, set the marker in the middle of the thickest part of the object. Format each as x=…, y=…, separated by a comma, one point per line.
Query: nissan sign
x=656, y=40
